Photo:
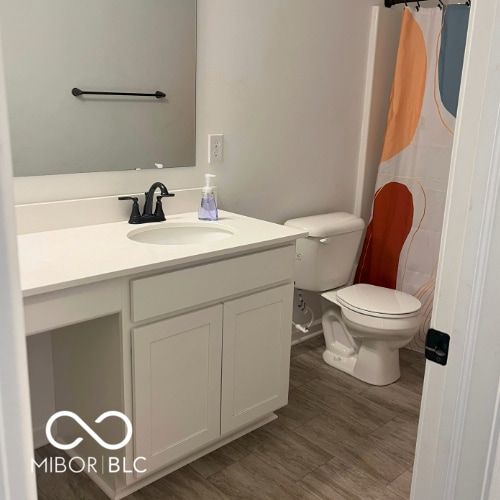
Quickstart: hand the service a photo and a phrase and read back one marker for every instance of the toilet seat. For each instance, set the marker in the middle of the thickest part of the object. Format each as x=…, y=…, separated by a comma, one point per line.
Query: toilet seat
x=376, y=301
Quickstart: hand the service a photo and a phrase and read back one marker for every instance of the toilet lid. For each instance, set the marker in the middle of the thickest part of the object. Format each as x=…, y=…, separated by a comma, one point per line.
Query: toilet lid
x=378, y=301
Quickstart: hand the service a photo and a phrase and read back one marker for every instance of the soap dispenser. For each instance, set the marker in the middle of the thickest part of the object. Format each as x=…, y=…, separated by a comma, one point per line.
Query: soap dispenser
x=208, y=206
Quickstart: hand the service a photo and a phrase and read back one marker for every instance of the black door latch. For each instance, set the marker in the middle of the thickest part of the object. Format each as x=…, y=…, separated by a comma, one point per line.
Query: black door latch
x=436, y=346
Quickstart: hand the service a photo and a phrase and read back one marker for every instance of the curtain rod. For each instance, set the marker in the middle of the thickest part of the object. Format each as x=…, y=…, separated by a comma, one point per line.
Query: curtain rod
x=390, y=3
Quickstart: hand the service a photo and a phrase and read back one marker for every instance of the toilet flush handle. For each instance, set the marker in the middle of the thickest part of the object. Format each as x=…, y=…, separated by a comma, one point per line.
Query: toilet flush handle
x=324, y=240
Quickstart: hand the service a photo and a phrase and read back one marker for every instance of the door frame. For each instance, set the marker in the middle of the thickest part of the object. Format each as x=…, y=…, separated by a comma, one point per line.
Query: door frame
x=16, y=439
x=458, y=427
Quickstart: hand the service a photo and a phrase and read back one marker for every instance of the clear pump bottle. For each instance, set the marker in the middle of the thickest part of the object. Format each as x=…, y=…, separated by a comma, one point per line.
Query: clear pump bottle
x=208, y=206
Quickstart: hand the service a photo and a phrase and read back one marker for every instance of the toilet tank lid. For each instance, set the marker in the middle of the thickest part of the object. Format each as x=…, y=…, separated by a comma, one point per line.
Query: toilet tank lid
x=324, y=225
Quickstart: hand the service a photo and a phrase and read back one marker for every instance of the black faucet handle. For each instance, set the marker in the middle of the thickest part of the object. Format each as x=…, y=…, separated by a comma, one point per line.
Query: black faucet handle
x=159, y=209
x=135, y=215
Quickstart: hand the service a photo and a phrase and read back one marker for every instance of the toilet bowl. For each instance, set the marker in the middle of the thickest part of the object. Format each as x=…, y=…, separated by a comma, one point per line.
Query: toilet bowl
x=364, y=328
x=364, y=325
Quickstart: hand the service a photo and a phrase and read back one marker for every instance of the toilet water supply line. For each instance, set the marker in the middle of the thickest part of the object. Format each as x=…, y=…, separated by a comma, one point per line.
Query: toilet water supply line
x=304, y=309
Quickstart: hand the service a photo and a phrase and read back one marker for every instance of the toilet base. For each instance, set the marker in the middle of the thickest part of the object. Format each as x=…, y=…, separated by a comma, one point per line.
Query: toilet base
x=374, y=363
x=343, y=363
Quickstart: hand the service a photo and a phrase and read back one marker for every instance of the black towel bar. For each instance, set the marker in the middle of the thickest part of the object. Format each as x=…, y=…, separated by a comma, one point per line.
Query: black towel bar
x=77, y=92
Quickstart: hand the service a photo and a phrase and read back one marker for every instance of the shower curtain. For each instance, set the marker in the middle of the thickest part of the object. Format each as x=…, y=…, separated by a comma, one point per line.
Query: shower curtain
x=401, y=245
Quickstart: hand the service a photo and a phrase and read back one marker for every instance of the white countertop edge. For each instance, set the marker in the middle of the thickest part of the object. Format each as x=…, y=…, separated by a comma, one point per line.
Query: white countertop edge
x=40, y=252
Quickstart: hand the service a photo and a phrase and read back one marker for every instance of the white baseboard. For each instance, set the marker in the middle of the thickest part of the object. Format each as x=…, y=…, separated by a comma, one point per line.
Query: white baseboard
x=39, y=436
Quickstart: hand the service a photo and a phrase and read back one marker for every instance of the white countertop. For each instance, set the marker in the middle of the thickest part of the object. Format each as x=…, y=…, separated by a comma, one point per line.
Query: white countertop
x=55, y=260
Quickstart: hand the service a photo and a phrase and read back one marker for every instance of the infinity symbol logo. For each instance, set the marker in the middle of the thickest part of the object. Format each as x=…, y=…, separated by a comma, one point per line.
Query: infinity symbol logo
x=98, y=420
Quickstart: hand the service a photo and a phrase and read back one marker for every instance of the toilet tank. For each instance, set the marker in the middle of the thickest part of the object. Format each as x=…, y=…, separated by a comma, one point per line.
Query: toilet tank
x=326, y=258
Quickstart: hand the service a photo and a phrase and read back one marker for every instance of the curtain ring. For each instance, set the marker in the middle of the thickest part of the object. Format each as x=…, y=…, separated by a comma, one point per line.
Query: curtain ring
x=440, y=4
x=418, y=6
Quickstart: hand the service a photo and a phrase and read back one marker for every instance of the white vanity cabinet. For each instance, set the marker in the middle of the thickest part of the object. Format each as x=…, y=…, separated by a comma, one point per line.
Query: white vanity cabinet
x=203, y=375
x=177, y=371
x=256, y=356
x=189, y=342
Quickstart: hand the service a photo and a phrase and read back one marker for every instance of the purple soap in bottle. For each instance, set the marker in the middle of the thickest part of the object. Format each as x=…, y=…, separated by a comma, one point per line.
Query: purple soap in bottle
x=208, y=206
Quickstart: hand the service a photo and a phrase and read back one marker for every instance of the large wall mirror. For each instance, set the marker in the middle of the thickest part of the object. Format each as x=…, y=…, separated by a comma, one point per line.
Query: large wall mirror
x=136, y=46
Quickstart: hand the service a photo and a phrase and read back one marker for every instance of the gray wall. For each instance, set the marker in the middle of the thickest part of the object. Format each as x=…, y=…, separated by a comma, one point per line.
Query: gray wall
x=143, y=46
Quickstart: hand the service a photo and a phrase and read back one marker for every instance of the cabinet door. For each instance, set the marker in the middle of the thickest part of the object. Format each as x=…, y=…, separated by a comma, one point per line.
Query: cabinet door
x=256, y=356
x=177, y=372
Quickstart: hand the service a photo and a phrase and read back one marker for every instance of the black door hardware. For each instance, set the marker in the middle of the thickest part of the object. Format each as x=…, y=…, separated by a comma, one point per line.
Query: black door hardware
x=436, y=346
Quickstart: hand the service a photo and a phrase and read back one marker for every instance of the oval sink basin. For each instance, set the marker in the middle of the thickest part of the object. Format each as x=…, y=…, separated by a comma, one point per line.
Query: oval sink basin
x=180, y=234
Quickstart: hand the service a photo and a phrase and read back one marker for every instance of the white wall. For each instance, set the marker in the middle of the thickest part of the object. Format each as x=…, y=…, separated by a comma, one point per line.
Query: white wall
x=41, y=380
x=382, y=52
x=284, y=81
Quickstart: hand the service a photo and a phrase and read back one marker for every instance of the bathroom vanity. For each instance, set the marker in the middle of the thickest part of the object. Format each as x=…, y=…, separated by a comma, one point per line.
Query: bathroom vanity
x=191, y=341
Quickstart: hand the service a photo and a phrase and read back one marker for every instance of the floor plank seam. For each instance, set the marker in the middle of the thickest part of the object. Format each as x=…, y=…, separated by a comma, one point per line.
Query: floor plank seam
x=337, y=439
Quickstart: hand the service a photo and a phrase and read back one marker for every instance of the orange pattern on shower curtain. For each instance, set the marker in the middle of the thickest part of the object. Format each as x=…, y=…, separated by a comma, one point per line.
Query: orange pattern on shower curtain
x=386, y=235
x=408, y=88
x=401, y=245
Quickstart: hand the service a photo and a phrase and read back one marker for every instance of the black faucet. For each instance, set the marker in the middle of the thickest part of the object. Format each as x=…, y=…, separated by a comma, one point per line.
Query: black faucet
x=147, y=212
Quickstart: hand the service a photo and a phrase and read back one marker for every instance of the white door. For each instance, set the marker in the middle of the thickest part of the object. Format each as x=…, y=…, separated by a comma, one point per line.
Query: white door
x=459, y=428
x=16, y=442
x=256, y=356
x=177, y=373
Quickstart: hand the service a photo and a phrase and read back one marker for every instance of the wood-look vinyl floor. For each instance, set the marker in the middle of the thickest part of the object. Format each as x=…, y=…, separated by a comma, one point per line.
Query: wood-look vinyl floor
x=338, y=438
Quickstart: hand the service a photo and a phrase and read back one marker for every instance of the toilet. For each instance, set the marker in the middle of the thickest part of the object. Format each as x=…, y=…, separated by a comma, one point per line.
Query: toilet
x=364, y=325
